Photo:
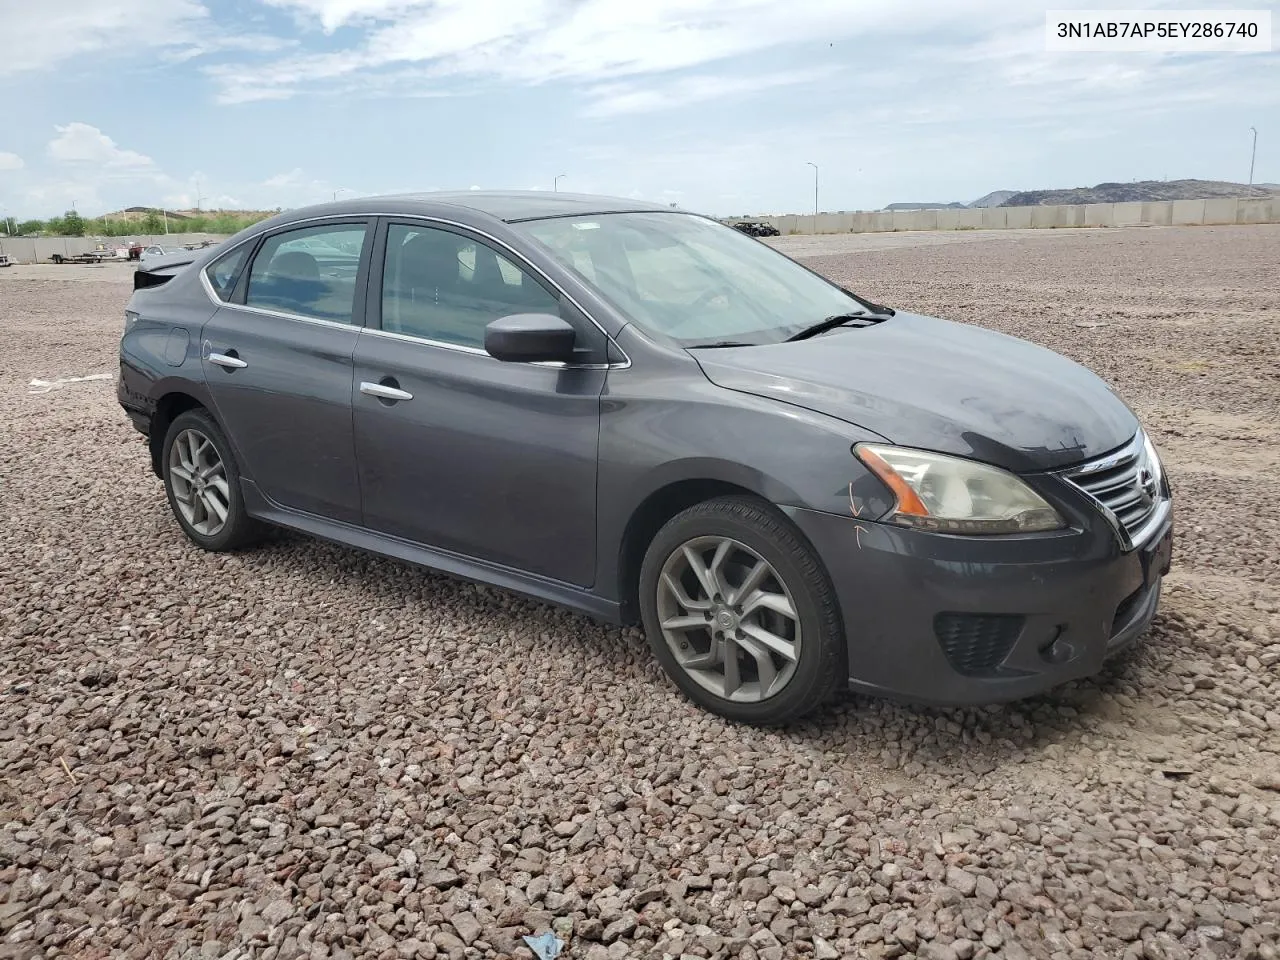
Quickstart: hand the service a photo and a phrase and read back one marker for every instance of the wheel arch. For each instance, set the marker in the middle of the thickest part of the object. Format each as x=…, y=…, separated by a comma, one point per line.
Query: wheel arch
x=677, y=487
x=173, y=399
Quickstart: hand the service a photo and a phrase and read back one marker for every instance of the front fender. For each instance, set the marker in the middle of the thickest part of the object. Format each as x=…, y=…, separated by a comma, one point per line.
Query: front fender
x=656, y=432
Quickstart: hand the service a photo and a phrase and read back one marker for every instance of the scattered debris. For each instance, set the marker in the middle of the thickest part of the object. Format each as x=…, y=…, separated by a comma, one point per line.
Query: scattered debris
x=44, y=386
x=546, y=945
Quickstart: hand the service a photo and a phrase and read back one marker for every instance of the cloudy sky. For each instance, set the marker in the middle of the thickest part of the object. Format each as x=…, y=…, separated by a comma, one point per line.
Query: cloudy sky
x=715, y=104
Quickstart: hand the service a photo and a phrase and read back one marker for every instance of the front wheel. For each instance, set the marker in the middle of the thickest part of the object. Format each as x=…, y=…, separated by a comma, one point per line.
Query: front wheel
x=741, y=613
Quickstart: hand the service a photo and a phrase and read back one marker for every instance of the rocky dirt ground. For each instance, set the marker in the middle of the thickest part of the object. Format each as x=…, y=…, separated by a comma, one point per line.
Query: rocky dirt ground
x=301, y=751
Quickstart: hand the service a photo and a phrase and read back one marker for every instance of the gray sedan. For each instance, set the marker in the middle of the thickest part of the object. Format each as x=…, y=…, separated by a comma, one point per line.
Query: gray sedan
x=645, y=415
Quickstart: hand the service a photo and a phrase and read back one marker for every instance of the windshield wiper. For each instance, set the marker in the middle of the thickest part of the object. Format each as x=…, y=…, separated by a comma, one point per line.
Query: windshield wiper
x=720, y=343
x=830, y=323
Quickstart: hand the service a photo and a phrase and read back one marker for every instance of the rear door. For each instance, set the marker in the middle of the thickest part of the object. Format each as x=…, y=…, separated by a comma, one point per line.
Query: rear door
x=492, y=460
x=278, y=361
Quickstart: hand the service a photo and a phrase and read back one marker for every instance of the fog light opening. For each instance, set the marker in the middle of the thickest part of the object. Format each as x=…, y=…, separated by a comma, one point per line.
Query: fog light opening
x=1058, y=650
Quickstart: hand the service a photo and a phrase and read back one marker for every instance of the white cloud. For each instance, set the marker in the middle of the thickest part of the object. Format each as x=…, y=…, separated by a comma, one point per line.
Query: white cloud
x=295, y=188
x=333, y=14
x=82, y=143
x=10, y=161
x=603, y=41
x=42, y=35
x=619, y=98
x=294, y=178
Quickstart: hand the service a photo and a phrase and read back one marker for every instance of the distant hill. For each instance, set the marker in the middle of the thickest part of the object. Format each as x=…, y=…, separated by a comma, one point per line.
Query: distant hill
x=137, y=214
x=1138, y=190
x=994, y=198
x=925, y=206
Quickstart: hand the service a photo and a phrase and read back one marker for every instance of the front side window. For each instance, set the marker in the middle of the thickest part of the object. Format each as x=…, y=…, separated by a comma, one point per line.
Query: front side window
x=309, y=272
x=224, y=271
x=690, y=278
x=446, y=287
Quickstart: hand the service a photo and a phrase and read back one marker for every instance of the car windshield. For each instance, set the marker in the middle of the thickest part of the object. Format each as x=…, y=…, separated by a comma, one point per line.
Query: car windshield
x=693, y=279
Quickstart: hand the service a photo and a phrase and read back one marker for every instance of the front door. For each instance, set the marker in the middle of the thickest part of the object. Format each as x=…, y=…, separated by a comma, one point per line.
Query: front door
x=459, y=451
x=278, y=364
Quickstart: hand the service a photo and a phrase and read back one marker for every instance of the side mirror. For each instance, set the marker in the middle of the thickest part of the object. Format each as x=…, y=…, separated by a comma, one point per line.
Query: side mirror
x=529, y=337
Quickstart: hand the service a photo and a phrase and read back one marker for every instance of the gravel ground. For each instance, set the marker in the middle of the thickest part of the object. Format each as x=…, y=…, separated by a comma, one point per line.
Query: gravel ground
x=304, y=751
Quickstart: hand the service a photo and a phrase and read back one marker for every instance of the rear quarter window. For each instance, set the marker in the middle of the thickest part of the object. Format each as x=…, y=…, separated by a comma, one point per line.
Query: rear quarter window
x=225, y=271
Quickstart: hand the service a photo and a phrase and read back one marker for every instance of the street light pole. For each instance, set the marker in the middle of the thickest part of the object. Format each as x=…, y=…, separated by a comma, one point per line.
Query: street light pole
x=815, y=195
x=555, y=185
x=1254, y=154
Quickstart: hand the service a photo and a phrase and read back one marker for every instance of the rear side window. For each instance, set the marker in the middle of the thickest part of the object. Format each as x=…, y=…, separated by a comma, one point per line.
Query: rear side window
x=224, y=271
x=309, y=272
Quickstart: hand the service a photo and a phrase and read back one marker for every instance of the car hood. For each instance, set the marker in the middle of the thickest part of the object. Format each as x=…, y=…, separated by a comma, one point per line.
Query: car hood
x=939, y=385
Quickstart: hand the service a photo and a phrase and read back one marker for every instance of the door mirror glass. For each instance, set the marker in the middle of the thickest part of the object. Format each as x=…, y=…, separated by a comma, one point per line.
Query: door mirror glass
x=529, y=338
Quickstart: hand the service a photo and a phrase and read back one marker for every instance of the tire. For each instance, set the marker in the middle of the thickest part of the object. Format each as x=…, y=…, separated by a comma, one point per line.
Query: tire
x=196, y=505
x=804, y=678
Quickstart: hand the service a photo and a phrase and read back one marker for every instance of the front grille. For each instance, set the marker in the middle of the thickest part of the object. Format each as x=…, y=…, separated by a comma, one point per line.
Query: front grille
x=1126, y=482
x=975, y=643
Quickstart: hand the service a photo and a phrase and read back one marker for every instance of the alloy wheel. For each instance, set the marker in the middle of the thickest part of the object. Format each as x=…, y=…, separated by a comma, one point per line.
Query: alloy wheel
x=199, y=480
x=728, y=619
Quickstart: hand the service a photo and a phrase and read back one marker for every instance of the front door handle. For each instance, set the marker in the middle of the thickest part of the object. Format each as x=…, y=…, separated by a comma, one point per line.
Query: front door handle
x=384, y=391
x=230, y=362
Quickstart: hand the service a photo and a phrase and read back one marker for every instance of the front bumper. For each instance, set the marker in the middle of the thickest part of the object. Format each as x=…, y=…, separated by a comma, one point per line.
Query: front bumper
x=951, y=620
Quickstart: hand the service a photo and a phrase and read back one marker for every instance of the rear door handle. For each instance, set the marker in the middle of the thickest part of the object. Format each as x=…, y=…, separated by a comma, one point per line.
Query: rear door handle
x=384, y=392
x=231, y=363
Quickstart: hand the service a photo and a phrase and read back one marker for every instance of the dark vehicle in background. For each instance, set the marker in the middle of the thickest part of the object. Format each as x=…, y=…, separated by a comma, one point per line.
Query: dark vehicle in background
x=644, y=415
x=756, y=228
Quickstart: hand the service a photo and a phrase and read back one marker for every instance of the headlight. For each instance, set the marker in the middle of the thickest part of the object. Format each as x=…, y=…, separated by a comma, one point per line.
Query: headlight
x=953, y=495
x=1153, y=461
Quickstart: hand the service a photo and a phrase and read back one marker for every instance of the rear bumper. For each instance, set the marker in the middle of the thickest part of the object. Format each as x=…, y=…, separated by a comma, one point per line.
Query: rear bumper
x=949, y=620
x=141, y=421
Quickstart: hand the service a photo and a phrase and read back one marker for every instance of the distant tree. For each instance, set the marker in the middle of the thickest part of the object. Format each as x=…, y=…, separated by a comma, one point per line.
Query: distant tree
x=55, y=226
x=31, y=226
x=72, y=224
x=153, y=222
x=107, y=228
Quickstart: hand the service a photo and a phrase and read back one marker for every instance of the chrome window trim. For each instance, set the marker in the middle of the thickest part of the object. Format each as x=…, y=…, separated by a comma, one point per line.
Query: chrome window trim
x=281, y=314
x=477, y=351
x=204, y=272
x=456, y=347
x=428, y=218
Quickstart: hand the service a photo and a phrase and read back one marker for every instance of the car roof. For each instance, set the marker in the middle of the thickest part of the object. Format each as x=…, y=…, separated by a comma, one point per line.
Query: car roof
x=508, y=205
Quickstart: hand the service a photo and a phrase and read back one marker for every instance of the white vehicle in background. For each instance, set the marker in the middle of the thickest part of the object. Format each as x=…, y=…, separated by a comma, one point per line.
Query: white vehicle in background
x=5, y=261
x=154, y=253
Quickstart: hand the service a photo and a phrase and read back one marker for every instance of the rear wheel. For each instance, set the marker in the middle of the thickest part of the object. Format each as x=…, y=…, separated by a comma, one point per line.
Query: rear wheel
x=741, y=613
x=203, y=484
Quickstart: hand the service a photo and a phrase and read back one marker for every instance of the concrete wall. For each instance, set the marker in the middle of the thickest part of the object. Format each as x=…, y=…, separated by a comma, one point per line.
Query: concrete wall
x=1156, y=213
x=40, y=249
